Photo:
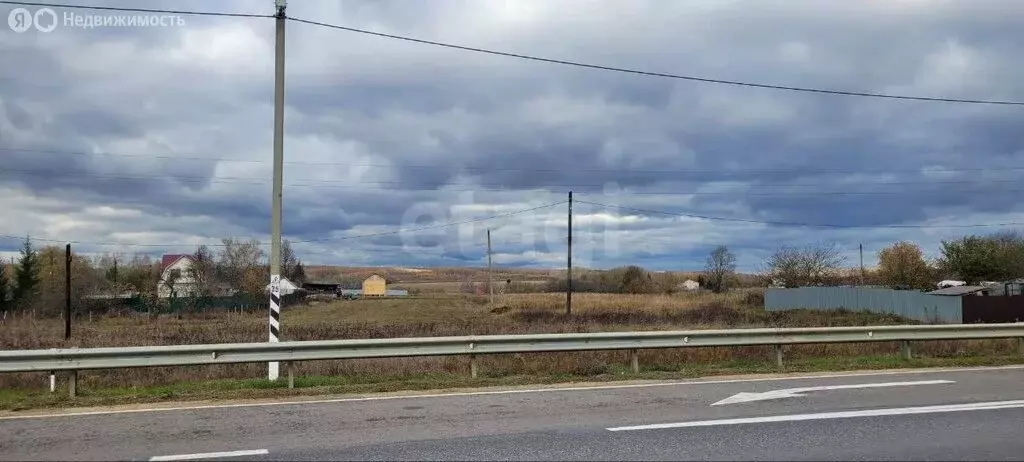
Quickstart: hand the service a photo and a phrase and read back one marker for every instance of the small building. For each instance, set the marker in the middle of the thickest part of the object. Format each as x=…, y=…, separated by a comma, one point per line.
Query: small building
x=321, y=287
x=287, y=287
x=959, y=291
x=950, y=283
x=175, y=277
x=689, y=285
x=374, y=286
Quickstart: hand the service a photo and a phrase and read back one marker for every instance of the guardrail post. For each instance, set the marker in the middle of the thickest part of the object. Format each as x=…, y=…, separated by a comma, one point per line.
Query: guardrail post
x=1020, y=346
x=473, y=366
x=72, y=383
x=290, y=370
x=634, y=360
x=906, y=350
x=778, y=354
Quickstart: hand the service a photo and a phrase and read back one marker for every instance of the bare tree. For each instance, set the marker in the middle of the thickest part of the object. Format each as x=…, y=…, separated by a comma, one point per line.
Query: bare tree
x=288, y=260
x=811, y=265
x=241, y=264
x=203, y=271
x=720, y=269
x=171, y=280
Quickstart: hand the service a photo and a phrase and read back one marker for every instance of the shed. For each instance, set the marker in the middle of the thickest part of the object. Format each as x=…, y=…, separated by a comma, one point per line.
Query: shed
x=689, y=284
x=287, y=287
x=950, y=283
x=321, y=287
x=374, y=286
x=958, y=291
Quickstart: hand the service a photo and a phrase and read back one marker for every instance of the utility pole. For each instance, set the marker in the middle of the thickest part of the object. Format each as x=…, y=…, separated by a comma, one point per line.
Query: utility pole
x=275, y=212
x=862, y=264
x=67, y=292
x=568, y=290
x=490, y=273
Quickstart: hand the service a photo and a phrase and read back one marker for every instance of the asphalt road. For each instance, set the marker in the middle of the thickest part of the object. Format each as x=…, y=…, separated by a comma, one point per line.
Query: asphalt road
x=964, y=414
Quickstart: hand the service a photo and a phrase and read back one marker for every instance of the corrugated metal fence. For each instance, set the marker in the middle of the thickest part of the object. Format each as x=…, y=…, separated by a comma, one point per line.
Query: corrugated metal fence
x=906, y=303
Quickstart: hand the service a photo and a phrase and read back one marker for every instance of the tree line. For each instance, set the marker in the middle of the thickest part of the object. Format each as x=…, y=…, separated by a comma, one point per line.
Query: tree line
x=902, y=265
x=35, y=279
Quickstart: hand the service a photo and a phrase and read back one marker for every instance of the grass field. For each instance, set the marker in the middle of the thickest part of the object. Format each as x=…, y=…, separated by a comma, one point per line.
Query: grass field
x=443, y=315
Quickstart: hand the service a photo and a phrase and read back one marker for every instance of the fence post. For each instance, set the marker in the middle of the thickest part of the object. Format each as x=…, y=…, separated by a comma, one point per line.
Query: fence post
x=906, y=350
x=473, y=366
x=290, y=369
x=634, y=360
x=778, y=354
x=72, y=383
x=53, y=381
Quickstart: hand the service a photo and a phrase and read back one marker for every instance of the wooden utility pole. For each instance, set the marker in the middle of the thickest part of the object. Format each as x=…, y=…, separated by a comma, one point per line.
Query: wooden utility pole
x=568, y=290
x=490, y=274
x=862, y=264
x=67, y=292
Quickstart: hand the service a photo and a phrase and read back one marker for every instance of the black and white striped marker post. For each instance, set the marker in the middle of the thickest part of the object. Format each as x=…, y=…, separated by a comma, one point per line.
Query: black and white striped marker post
x=275, y=321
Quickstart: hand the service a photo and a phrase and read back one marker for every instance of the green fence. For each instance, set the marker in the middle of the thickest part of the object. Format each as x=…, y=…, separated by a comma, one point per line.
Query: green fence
x=244, y=302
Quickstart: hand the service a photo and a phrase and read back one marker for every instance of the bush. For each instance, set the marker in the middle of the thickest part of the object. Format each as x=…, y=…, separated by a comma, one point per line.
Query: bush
x=754, y=299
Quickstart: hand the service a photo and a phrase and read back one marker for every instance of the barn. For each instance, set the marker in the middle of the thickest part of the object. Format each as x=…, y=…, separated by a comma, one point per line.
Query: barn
x=374, y=286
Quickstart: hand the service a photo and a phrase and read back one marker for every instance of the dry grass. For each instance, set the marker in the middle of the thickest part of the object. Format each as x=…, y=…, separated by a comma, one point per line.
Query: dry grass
x=592, y=302
x=459, y=315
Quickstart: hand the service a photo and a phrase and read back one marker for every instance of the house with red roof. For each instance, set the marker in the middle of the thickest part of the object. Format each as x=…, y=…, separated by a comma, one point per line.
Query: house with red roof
x=175, y=278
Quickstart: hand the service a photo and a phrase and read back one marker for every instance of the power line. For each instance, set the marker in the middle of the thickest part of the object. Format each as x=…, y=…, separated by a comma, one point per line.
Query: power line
x=495, y=187
x=658, y=74
x=519, y=169
x=138, y=10
x=530, y=57
x=341, y=238
x=795, y=224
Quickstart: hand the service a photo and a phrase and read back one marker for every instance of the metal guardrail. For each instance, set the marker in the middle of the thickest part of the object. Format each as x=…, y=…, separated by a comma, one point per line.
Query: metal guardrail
x=75, y=359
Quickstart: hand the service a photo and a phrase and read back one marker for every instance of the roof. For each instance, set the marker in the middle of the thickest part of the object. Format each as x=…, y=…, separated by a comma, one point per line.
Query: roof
x=285, y=284
x=960, y=290
x=171, y=259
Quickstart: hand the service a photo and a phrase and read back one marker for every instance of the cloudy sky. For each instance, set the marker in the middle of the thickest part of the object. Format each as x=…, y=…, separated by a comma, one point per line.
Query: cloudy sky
x=130, y=139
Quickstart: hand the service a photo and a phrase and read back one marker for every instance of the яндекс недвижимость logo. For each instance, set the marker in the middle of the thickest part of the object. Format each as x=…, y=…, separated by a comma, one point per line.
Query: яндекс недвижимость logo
x=21, y=19
x=45, y=20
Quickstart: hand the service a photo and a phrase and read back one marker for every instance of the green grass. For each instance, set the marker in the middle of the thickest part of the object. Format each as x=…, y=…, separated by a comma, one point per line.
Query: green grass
x=234, y=389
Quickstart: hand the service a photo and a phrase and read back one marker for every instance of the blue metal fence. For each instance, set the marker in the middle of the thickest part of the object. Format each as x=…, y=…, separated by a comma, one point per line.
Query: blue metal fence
x=906, y=303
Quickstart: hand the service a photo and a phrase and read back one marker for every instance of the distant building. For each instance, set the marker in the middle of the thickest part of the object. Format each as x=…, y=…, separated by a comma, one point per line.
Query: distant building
x=321, y=287
x=374, y=286
x=689, y=284
x=287, y=287
x=959, y=291
x=175, y=277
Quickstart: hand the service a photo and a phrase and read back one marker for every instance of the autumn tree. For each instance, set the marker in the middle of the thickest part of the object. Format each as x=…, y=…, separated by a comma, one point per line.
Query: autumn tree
x=720, y=269
x=141, y=274
x=974, y=259
x=52, y=264
x=203, y=272
x=811, y=265
x=903, y=264
x=241, y=265
x=635, y=281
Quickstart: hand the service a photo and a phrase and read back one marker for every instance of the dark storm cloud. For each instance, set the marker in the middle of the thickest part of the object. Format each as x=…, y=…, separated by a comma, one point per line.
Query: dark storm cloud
x=426, y=118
